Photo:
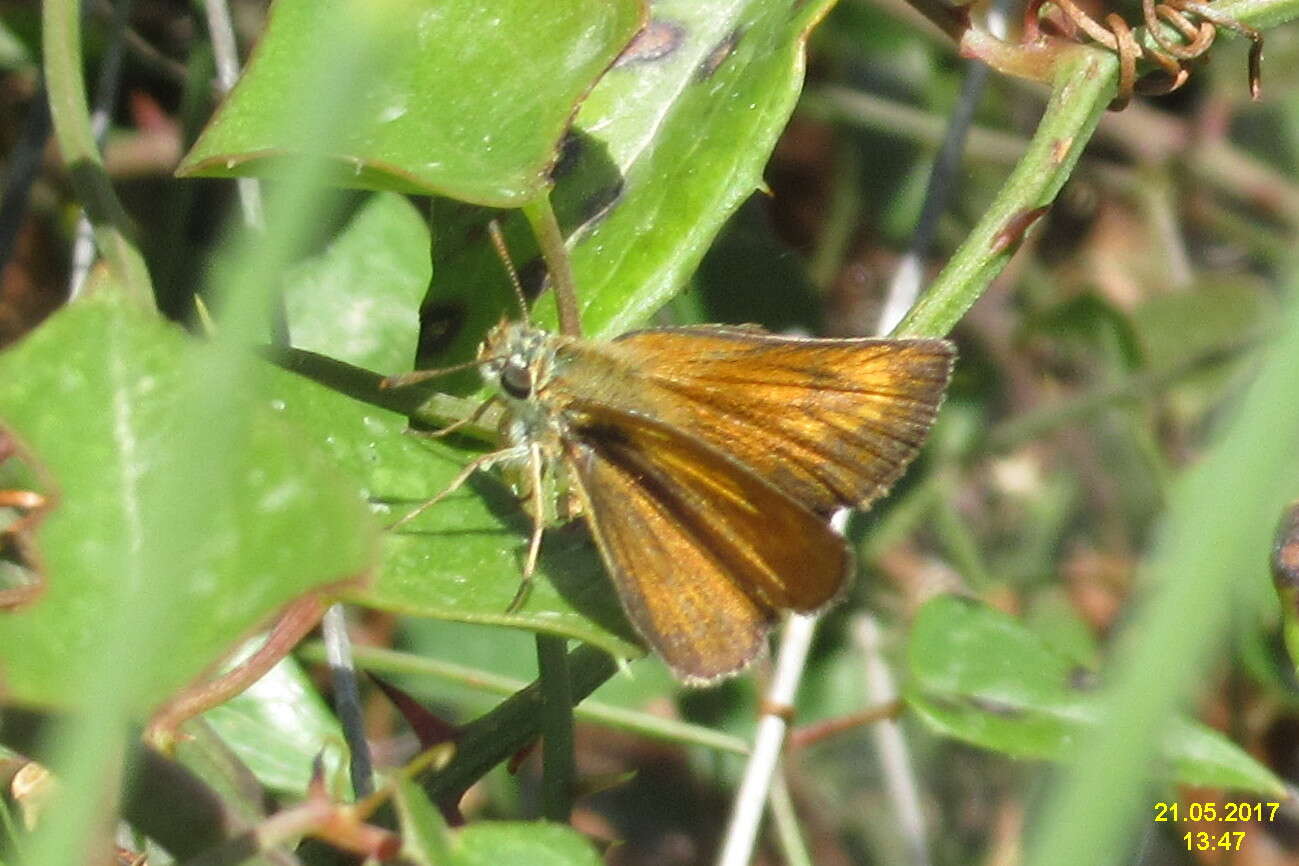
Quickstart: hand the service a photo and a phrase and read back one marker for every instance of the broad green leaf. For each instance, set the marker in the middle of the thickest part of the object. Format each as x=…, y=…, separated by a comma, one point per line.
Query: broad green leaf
x=691, y=152
x=428, y=842
x=978, y=675
x=279, y=726
x=537, y=843
x=357, y=300
x=1054, y=618
x=668, y=145
x=93, y=395
x=462, y=559
x=475, y=111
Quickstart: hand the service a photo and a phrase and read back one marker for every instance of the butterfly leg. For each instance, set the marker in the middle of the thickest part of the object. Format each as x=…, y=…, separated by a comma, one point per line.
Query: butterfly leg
x=535, y=469
x=471, y=418
x=484, y=462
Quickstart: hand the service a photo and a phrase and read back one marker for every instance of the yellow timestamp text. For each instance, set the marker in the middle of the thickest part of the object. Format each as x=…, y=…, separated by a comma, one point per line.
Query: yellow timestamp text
x=1231, y=840
x=1217, y=813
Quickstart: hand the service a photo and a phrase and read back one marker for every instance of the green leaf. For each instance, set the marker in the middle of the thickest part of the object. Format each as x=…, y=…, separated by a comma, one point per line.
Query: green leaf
x=979, y=676
x=357, y=300
x=13, y=53
x=475, y=110
x=279, y=726
x=93, y=394
x=537, y=843
x=425, y=837
x=1175, y=326
x=1214, y=318
x=462, y=559
x=428, y=842
x=691, y=153
x=668, y=145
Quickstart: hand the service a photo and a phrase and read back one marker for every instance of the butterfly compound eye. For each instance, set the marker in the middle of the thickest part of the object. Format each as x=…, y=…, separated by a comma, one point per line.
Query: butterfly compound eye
x=516, y=380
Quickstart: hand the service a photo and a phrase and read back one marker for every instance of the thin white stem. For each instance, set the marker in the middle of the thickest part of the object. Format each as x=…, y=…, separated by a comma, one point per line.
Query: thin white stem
x=347, y=698
x=746, y=813
x=903, y=290
x=226, y=54
x=895, y=758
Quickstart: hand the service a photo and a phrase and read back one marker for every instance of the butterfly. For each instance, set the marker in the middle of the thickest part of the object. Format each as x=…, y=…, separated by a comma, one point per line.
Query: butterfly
x=707, y=461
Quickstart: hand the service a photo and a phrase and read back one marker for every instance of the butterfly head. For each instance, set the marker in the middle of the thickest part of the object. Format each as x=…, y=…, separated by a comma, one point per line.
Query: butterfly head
x=515, y=358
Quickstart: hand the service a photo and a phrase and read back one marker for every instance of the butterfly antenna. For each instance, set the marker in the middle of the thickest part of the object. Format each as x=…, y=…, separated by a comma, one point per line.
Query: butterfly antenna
x=498, y=241
x=418, y=376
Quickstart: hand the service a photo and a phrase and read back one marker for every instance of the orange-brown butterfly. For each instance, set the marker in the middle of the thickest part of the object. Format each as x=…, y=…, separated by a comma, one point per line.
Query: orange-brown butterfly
x=707, y=460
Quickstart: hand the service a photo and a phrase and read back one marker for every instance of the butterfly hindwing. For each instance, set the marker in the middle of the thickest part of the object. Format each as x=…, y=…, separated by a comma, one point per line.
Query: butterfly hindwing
x=703, y=551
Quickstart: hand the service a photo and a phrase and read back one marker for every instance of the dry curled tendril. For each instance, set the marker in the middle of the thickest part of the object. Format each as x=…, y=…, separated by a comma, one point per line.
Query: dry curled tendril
x=1197, y=24
x=21, y=512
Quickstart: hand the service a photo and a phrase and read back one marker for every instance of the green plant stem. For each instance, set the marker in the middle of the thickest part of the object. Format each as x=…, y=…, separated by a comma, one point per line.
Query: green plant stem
x=841, y=222
x=541, y=216
x=13, y=840
x=1261, y=14
x=557, y=767
x=960, y=543
x=880, y=114
x=512, y=725
x=1082, y=90
x=784, y=821
x=212, y=419
x=597, y=712
x=61, y=41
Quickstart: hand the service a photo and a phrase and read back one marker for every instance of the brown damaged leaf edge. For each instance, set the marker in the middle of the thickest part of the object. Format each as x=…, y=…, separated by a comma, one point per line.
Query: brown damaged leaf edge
x=557, y=150
x=291, y=625
x=656, y=40
x=19, y=537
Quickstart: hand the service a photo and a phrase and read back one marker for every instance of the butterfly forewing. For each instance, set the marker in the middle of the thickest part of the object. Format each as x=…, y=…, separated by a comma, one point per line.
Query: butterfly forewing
x=829, y=422
x=702, y=550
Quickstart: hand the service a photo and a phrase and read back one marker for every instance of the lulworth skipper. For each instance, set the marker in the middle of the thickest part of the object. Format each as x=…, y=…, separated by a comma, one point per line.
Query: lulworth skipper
x=707, y=460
